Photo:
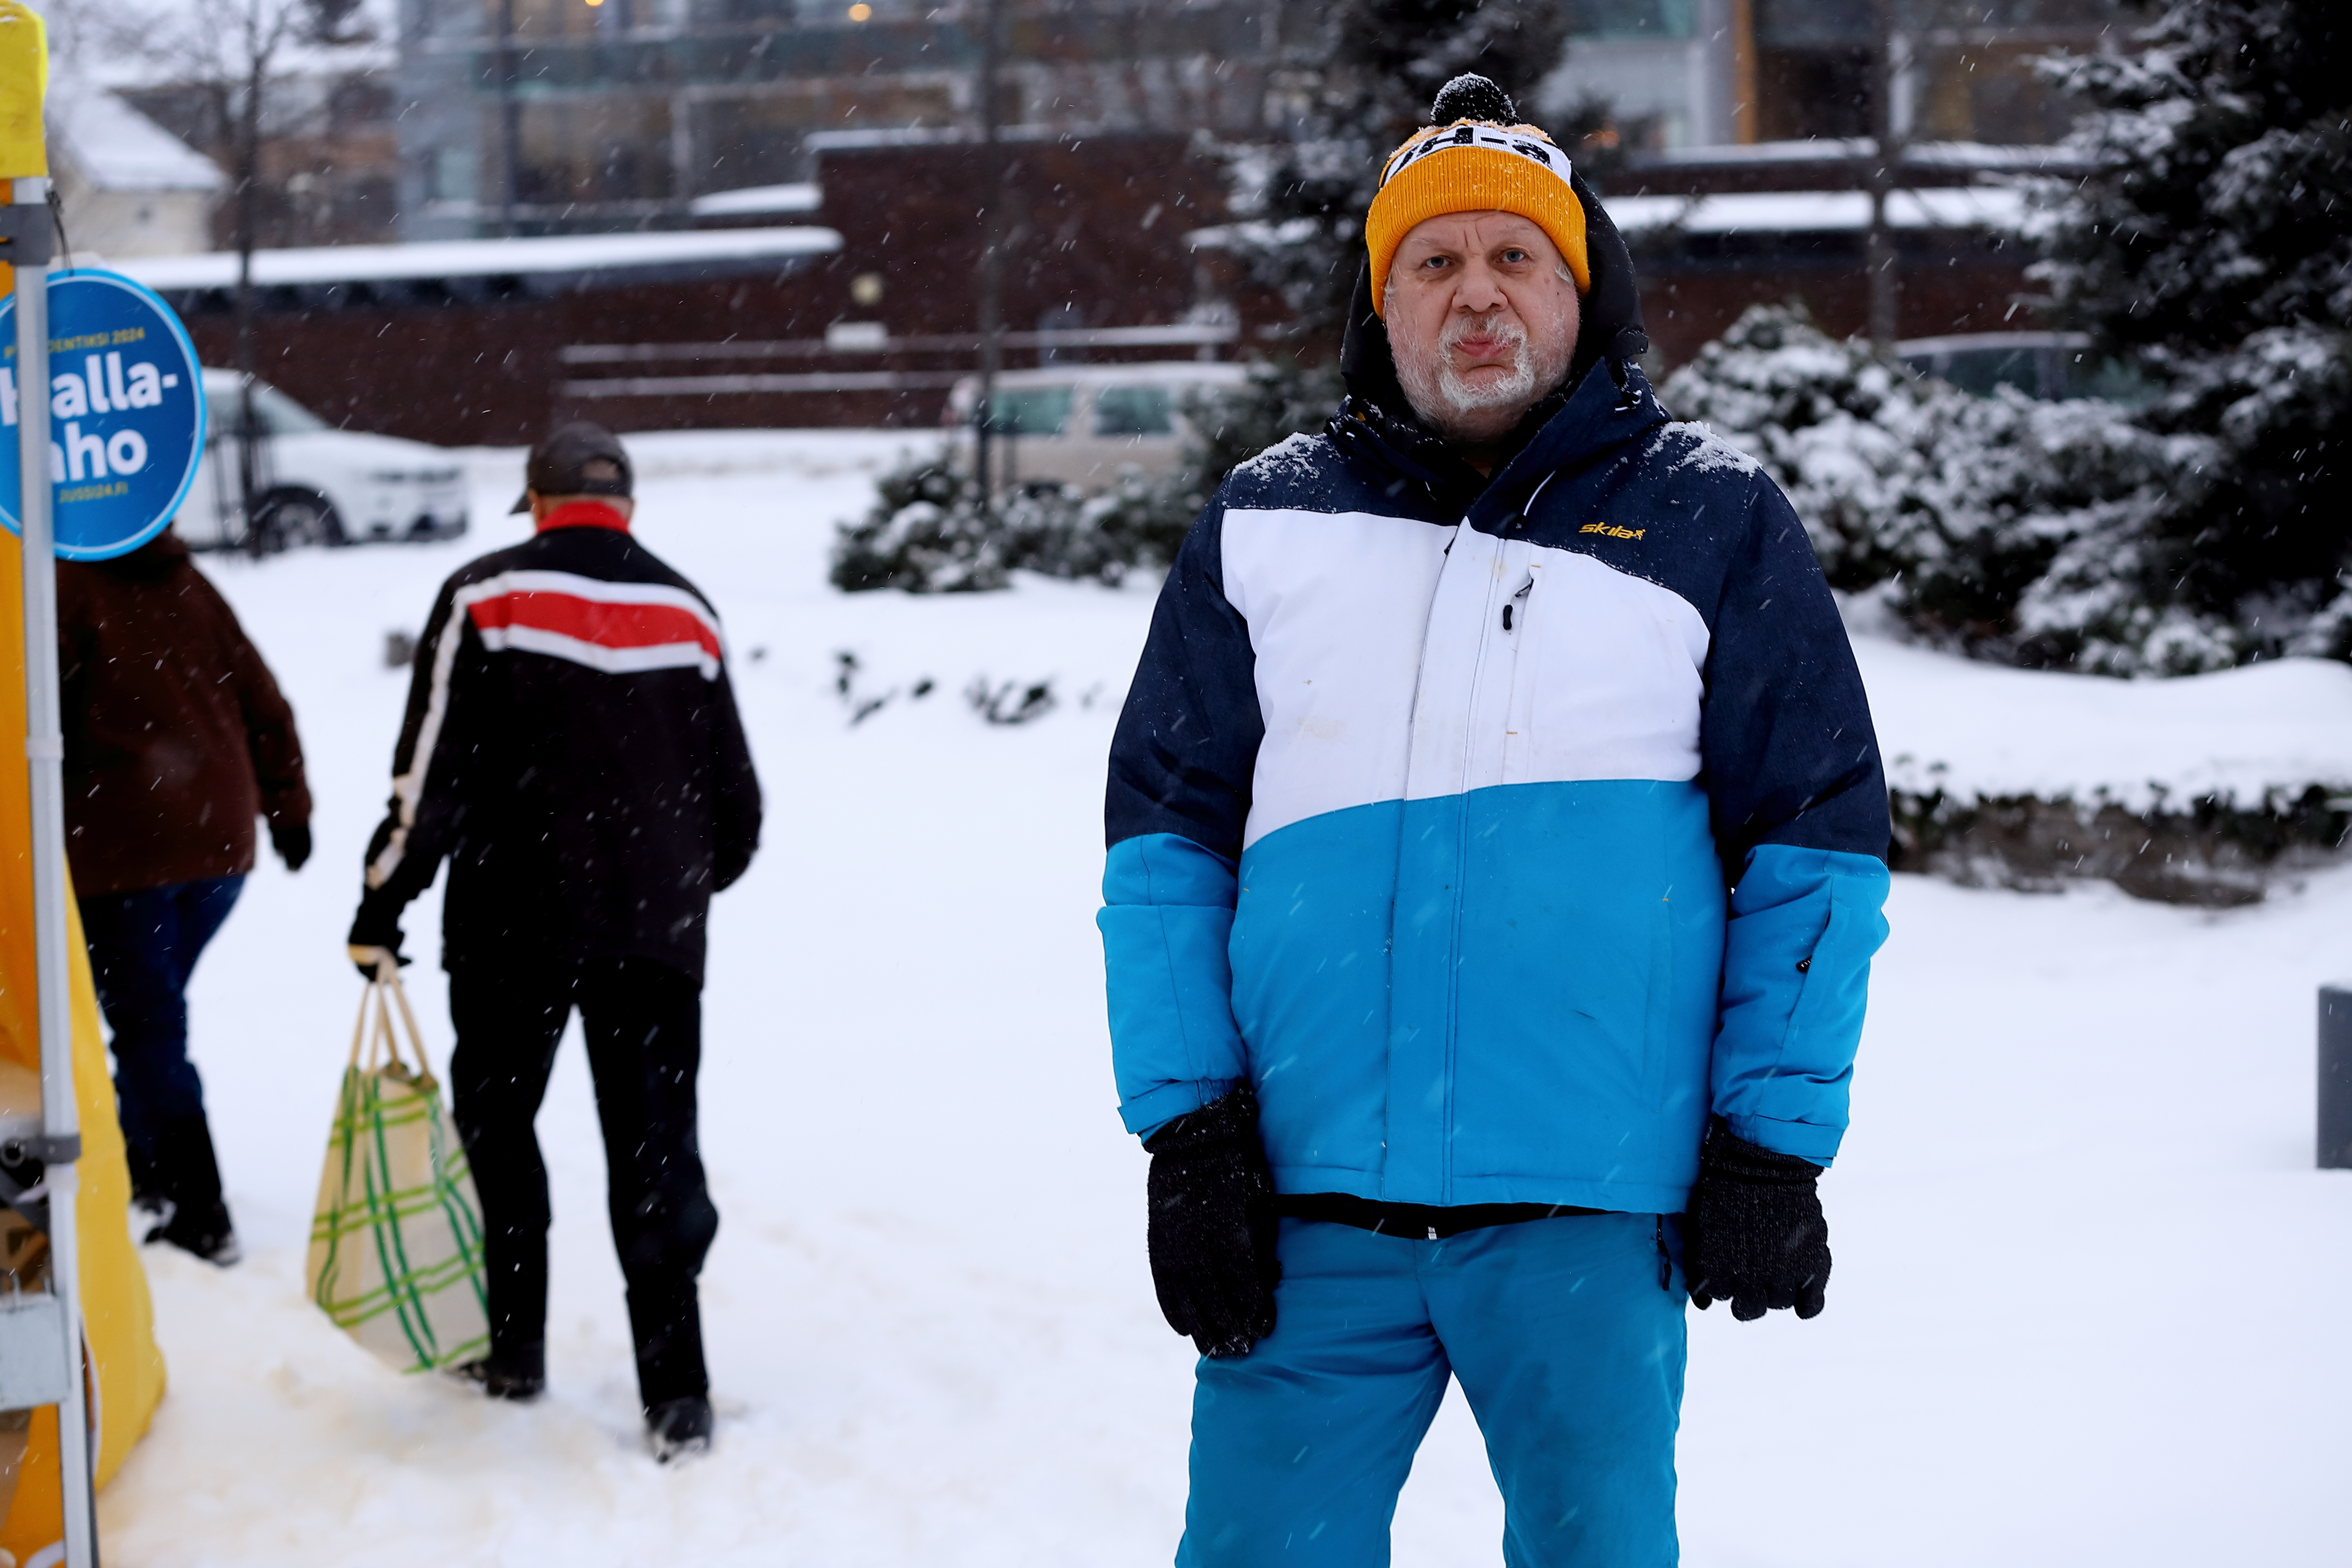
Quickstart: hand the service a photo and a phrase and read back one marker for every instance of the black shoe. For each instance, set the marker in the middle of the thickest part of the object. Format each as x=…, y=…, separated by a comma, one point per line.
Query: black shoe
x=520, y=1375
x=680, y=1429
x=202, y=1232
x=184, y=1185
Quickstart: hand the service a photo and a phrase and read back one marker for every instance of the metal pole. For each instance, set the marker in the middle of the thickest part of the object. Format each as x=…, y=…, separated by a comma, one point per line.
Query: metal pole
x=248, y=196
x=991, y=242
x=1886, y=144
x=248, y=238
x=509, y=124
x=2336, y=1077
x=45, y=752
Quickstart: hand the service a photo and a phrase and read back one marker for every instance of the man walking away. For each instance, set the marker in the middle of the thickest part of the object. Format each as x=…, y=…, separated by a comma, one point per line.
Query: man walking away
x=572, y=748
x=1497, y=848
x=176, y=740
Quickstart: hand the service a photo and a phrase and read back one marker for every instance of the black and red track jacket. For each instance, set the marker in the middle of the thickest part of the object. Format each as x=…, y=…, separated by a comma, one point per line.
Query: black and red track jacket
x=572, y=748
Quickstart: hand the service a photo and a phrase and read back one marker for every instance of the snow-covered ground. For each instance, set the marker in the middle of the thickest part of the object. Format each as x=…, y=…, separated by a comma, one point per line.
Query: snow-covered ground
x=2089, y=1299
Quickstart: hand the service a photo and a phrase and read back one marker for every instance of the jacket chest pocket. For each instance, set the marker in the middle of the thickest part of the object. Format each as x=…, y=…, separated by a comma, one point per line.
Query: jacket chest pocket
x=1606, y=677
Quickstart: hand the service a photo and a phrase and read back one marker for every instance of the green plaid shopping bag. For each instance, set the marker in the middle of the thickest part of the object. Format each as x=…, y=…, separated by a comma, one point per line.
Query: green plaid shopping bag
x=397, y=1244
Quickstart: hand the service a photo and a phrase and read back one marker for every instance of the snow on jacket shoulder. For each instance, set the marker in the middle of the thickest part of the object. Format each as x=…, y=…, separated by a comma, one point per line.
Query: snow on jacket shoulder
x=572, y=748
x=1497, y=848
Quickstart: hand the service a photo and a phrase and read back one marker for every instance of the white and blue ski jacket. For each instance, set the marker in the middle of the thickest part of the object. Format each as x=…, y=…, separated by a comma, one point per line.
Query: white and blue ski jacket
x=1497, y=833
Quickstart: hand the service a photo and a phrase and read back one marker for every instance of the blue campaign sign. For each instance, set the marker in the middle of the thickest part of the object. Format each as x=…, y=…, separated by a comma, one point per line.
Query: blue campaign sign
x=126, y=414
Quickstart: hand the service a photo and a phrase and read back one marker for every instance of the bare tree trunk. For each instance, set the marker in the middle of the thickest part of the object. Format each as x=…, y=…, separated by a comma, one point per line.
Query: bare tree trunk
x=1885, y=167
x=991, y=269
x=248, y=192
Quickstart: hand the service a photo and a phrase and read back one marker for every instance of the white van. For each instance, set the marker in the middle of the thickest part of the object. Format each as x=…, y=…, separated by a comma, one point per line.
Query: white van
x=2051, y=366
x=1081, y=423
x=318, y=485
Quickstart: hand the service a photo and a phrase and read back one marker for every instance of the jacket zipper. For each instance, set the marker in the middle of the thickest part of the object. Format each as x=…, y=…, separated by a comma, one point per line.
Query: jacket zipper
x=1461, y=860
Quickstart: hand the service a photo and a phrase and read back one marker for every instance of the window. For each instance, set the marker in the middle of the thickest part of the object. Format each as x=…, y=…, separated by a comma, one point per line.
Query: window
x=1983, y=372
x=1133, y=411
x=277, y=413
x=1632, y=18
x=1032, y=410
x=609, y=147
x=2049, y=369
x=455, y=174
x=282, y=415
x=2118, y=381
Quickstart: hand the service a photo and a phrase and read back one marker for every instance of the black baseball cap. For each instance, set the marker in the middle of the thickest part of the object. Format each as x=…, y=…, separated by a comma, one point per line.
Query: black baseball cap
x=576, y=459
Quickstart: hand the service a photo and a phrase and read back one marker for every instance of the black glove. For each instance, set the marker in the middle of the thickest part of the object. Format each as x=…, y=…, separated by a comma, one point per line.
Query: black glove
x=375, y=928
x=1755, y=1235
x=292, y=842
x=1213, y=1226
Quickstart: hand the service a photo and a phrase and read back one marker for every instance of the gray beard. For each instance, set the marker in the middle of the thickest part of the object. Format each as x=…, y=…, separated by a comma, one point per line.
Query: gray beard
x=1441, y=400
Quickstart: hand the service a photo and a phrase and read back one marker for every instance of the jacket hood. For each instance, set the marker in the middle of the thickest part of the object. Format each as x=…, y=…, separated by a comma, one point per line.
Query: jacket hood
x=1611, y=331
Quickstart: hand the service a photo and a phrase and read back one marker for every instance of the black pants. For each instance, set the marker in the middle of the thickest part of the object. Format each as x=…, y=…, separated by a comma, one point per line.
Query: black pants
x=644, y=1025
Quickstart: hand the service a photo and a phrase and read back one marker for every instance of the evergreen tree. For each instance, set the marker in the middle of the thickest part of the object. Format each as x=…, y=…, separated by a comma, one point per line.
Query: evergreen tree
x=2214, y=244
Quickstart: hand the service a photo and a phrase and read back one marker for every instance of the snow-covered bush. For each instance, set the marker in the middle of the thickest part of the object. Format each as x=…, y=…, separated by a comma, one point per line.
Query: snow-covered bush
x=927, y=532
x=1993, y=524
x=1851, y=438
x=2034, y=500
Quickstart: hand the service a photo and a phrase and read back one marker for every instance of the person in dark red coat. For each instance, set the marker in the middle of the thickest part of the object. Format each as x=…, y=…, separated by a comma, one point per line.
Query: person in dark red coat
x=178, y=740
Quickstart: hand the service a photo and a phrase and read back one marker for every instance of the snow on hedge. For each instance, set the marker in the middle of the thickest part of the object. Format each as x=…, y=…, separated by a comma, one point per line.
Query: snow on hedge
x=2243, y=738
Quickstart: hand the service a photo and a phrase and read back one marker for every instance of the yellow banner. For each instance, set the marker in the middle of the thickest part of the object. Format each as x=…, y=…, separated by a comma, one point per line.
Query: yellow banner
x=115, y=1307
x=24, y=85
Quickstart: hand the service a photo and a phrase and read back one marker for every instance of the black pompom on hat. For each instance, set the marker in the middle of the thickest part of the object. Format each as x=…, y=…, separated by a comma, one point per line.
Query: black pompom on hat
x=1471, y=96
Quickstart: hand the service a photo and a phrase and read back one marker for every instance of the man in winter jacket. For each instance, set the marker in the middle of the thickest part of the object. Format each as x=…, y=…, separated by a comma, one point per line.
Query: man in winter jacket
x=176, y=740
x=573, y=751
x=1496, y=855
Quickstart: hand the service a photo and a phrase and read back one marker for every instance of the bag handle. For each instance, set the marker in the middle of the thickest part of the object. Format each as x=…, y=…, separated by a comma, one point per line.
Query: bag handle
x=383, y=1042
x=359, y=1029
x=391, y=982
x=380, y=1042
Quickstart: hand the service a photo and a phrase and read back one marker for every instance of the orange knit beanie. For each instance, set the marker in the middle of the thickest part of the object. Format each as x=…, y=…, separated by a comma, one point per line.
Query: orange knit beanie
x=1475, y=164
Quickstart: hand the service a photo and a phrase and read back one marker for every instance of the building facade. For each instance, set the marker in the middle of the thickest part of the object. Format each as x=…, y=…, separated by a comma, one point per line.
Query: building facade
x=1700, y=73
x=328, y=154
x=554, y=116
x=1731, y=158
x=126, y=186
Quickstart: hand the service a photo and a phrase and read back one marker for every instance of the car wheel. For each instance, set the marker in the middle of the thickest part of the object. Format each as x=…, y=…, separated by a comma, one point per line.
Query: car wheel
x=292, y=518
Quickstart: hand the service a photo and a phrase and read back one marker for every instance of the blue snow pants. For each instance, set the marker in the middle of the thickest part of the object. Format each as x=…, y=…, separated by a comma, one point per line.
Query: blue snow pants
x=1568, y=1350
